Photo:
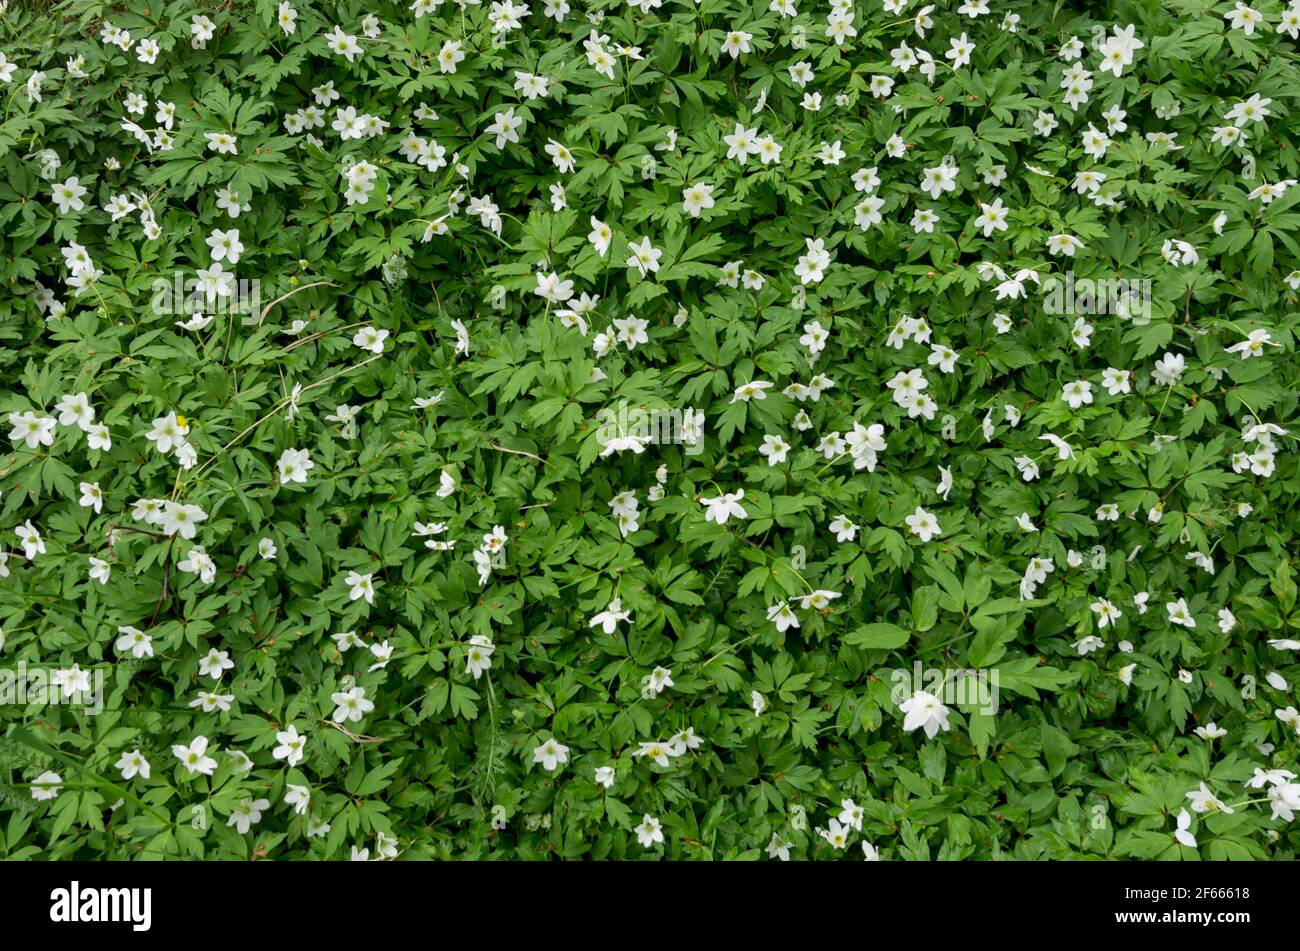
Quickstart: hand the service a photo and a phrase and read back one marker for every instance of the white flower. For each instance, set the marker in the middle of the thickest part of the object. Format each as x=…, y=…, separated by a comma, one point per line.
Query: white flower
x=194, y=757
x=727, y=506
x=736, y=42
x=1203, y=801
x=383, y=653
x=68, y=195
x=811, y=266
x=851, y=814
x=939, y=179
x=1179, y=613
x=774, y=449
x=660, y=679
x=299, y=797
x=944, y=485
x=845, y=530
x=741, y=143
x=46, y=786
x=133, y=764
x=75, y=410
x=1290, y=717
x=924, y=710
x=649, y=832
x=351, y=705
x=247, y=813
x=225, y=245
x=92, y=497
x=697, y=199
x=561, y=156
x=168, y=432
x=781, y=615
x=1254, y=109
x=835, y=834
x=1065, y=244
x=134, y=640
x=1169, y=368
x=1253, y=345
x=31, y=429
x=600, y=236
x=1115, y=381
x=1243, y=18
x=608, y=619
x=551, y=755
x=992, y=217
x=99, y=570
x=1078, y=393
x=752, y=390
x=644, y=257
x=923, y=525
x=656, y=752
x=294, y=465
x=906, y=386
x=211, y=701
x=959, y=51
x=1088, y=644
x=1106, y=612
x=478, y=657
x=291, y=746
x=685, y=740
x=1063, y=450
x=30, y=538
x=360, y=586
x=287, y=17
x=370, y=338
x=778, y=848
x=223, y=143
x=1285, y=800
x=944, y=357
x=449, y=56
x=1273, y=777
x=181, y=519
